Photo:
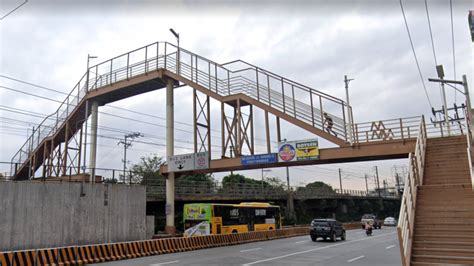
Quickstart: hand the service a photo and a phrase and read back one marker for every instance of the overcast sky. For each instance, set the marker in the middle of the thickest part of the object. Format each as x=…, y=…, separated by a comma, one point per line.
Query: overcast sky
x=312, y=42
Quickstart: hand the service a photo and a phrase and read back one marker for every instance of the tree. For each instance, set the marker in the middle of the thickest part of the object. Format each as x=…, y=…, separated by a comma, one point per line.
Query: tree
x=319, y=185
x=147, y=171
x=274, y=182
x=203, y=178
x=238, y=179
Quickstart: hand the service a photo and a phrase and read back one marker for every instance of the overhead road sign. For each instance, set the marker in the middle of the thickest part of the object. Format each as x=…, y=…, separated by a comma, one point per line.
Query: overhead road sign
x=188, y=162
x=259, y=159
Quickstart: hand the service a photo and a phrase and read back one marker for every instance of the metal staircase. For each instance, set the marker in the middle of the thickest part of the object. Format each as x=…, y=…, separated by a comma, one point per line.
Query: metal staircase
x=51, y=143
x=233, y=78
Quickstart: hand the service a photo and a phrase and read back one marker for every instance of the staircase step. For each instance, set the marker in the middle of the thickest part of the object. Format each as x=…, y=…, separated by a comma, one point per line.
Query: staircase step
x=444, y=231
x=444, y=188
x=444, y=260
x=453, y=243
x=444, y=237
x=432, y=263
x=468, y=253
x=446, y=215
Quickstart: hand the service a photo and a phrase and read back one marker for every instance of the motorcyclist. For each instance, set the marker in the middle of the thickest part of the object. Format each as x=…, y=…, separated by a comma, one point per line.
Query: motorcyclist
x=368, y=228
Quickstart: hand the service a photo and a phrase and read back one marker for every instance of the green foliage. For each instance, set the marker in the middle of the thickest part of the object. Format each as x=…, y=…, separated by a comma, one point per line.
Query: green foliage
x=202, y=178
x=238, y=179
x=319, y=185
x=274, y=182
x=234, y=179
x=147, y=171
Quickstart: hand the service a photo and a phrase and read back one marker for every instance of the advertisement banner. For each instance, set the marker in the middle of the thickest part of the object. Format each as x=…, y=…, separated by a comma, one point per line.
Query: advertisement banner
x=300, y=150
x=307, y=150
x=197, y=211
x=200, y=229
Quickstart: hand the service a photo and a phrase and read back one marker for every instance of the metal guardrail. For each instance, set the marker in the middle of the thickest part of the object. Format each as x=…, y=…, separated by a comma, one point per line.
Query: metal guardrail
x=408, y=205
x=251, y=191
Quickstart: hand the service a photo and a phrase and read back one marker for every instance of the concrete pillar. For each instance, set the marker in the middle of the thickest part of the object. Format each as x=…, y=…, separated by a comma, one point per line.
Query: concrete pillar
x=93, y=141
x=169, y=209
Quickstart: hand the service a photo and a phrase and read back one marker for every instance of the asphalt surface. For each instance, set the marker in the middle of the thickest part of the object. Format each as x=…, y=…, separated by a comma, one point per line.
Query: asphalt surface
x=380, y=249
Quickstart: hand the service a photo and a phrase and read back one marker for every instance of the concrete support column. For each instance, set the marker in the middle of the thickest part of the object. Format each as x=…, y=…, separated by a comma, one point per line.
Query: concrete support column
x=170, y=227
x=93, y=141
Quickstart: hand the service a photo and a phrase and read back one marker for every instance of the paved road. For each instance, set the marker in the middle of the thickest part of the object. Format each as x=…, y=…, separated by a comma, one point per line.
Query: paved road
x=380, y=249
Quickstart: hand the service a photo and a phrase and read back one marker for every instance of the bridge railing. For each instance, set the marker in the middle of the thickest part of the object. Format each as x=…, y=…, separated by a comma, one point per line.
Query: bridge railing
x=407, y=210
x=50, y=124
x=226, y=79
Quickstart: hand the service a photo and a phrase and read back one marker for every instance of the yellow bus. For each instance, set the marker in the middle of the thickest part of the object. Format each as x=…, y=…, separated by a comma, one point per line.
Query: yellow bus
x=215, y=218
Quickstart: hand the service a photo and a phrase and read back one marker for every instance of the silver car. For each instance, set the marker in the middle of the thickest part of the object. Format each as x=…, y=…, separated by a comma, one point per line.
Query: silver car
x=390, y=221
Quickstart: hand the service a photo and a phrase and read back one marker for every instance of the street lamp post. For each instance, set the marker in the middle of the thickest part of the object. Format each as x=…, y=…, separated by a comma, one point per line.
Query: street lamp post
x=440, y=72
x=465, y=93
x=86, y=113
x=349, y=111
x=177, y=55
x=266, y=171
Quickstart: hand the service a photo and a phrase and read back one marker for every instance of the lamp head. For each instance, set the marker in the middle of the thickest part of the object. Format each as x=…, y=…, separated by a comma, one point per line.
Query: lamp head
x=174, y=33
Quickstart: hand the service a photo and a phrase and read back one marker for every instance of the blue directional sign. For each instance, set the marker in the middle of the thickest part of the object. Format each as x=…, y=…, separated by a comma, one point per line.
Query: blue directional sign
x=259, y=159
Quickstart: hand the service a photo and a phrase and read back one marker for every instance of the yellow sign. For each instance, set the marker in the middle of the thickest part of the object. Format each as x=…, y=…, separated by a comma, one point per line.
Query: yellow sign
x=307, y=150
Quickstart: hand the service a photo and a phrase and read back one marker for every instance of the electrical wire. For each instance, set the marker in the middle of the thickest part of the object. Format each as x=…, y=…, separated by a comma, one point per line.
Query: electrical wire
x=6, y=15
x=414, y=54
x=431, y=33
x=110, y=106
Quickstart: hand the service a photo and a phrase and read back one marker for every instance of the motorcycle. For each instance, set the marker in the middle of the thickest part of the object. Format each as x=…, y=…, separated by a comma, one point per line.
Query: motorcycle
x=368, y=231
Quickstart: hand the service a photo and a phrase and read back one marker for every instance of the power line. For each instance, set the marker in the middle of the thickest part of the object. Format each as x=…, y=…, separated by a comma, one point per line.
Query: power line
x=111, y=106
x=6, y=15
x=431, y=33
x=414, y=54
x=40, y=115
x=452, y=42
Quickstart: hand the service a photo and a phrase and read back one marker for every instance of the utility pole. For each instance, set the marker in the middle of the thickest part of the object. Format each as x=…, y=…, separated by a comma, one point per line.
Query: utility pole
x=288, y=178
x=340, y=180
x=397, y=178
x=440, y=71
x=127, y=144
x=349, y=108
x=366, y=184
x=377, y=179
x=385, y=188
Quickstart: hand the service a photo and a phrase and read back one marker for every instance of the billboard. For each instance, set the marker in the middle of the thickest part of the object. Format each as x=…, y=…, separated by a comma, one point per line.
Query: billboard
x=197, y=211
x=300, y=150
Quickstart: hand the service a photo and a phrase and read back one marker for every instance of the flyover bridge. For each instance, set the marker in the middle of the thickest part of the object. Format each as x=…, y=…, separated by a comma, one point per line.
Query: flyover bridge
x=55, y=148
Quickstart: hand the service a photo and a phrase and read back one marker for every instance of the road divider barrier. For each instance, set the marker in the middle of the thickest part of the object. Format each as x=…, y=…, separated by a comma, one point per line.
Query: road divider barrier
x=67, y=255
x=88, y=254
x=47, y=256
x=5, y=258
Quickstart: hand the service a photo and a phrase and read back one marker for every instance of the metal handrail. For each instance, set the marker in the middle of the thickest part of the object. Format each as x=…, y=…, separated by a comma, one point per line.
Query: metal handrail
x=407, y=210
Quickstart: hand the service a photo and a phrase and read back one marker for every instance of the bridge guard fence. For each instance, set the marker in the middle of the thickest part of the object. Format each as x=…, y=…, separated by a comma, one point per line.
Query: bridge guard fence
x=407, y=210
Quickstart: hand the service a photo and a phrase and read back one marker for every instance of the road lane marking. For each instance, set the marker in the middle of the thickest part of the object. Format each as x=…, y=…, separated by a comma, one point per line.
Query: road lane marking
x=297, y=242
x=314, y=249
x=252, y=249
x=389, y=247
x=164, y=263
x=354, y=259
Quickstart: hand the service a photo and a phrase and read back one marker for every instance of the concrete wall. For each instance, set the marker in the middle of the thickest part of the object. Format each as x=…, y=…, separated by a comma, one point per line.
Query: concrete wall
x=150, y=226
x=46, y=214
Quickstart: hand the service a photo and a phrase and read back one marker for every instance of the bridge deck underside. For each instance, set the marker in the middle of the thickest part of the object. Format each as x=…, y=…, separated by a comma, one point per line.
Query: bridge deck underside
x=363, y=152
